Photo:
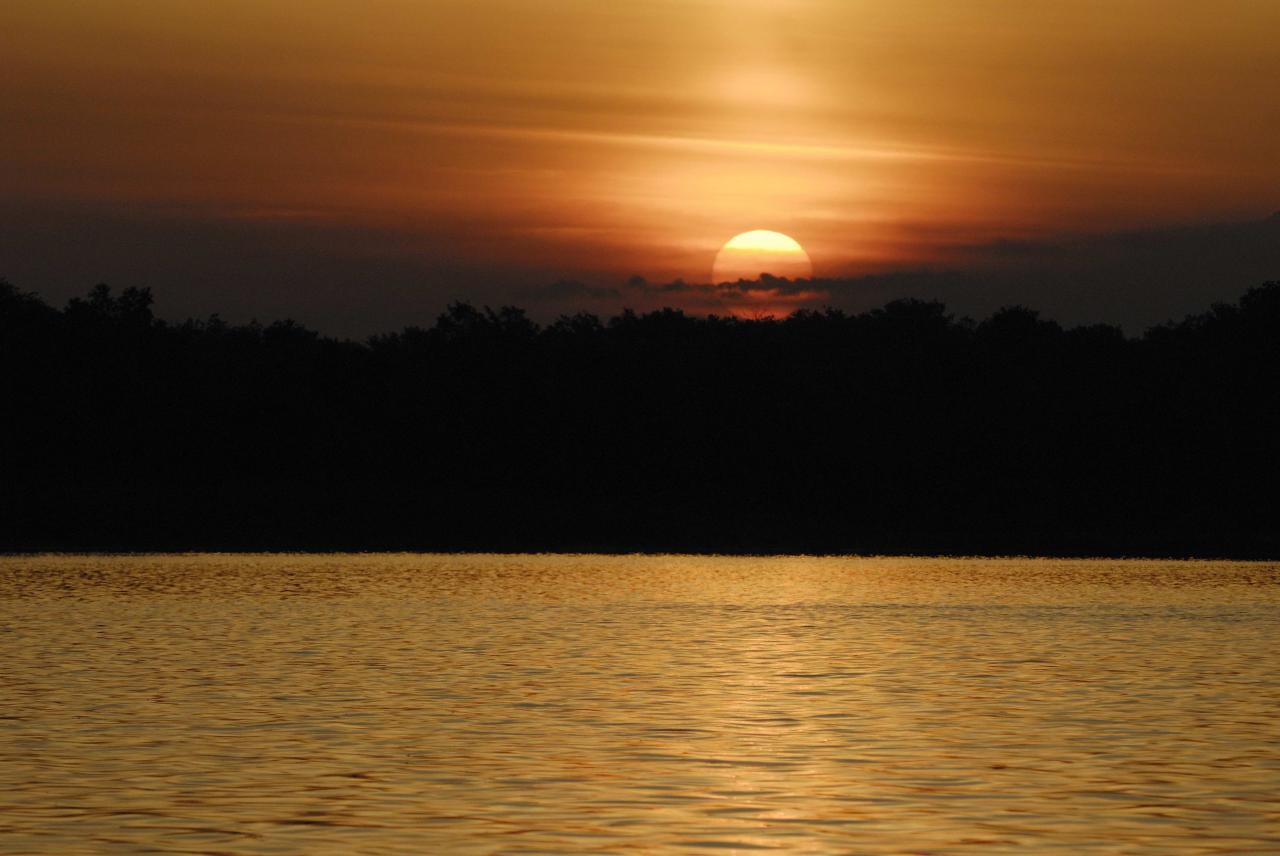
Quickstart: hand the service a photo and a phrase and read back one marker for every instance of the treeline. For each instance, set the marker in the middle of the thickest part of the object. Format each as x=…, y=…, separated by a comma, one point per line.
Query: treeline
x=903, y=429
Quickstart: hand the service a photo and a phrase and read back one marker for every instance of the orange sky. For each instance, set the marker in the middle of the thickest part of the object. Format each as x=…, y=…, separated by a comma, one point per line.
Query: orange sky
x=591, y=139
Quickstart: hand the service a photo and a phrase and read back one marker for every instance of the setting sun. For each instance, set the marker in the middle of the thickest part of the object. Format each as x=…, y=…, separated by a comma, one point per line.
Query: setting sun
x=750, y=254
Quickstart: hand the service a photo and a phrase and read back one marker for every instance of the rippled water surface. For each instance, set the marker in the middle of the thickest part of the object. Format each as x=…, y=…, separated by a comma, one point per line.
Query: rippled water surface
x=550, y=704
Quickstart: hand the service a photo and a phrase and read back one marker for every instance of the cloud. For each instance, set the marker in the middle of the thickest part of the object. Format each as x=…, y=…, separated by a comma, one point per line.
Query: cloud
x=353, y=282
x=1132, y=278
x=568, y=289
x=773, y=284
x=769, y=295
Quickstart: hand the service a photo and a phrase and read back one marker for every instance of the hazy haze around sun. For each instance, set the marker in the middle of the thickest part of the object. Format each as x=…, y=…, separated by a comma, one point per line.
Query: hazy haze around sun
x=750, y=254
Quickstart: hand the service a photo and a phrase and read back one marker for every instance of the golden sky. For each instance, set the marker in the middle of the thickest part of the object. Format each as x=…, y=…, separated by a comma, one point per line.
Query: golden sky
x=585, y=138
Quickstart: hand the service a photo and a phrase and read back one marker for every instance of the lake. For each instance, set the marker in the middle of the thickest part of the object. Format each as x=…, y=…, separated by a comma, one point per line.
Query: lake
x=605, y=704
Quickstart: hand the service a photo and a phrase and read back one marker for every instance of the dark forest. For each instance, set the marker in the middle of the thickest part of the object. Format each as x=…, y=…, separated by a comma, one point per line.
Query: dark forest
x=900, y=430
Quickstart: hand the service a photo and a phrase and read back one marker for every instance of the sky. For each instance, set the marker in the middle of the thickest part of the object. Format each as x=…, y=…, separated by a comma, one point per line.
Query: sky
x=358, y=165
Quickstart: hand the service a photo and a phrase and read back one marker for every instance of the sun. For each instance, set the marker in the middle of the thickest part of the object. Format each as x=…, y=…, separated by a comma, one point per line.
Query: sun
x=750, y=254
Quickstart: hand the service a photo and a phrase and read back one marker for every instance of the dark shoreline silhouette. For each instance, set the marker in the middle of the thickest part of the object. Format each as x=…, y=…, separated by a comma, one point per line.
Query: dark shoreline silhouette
x=900, y=430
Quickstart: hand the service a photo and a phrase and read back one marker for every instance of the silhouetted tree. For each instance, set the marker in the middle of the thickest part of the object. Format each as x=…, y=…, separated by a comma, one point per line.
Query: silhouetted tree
x=899, y=429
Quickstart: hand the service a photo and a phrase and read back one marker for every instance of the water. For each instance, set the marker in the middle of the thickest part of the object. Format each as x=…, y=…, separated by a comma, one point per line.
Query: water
x=553, y=704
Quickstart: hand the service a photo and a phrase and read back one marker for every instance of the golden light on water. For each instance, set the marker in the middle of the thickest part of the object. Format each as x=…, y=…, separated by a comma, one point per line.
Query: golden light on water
x=750, y=254
x=330, y=703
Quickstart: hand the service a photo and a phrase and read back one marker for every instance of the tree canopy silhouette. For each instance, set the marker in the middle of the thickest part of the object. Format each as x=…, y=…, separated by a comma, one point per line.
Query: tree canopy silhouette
x=902, y=429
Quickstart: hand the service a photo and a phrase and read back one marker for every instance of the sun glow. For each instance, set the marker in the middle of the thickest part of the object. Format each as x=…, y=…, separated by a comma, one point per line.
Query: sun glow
x=750, y=254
